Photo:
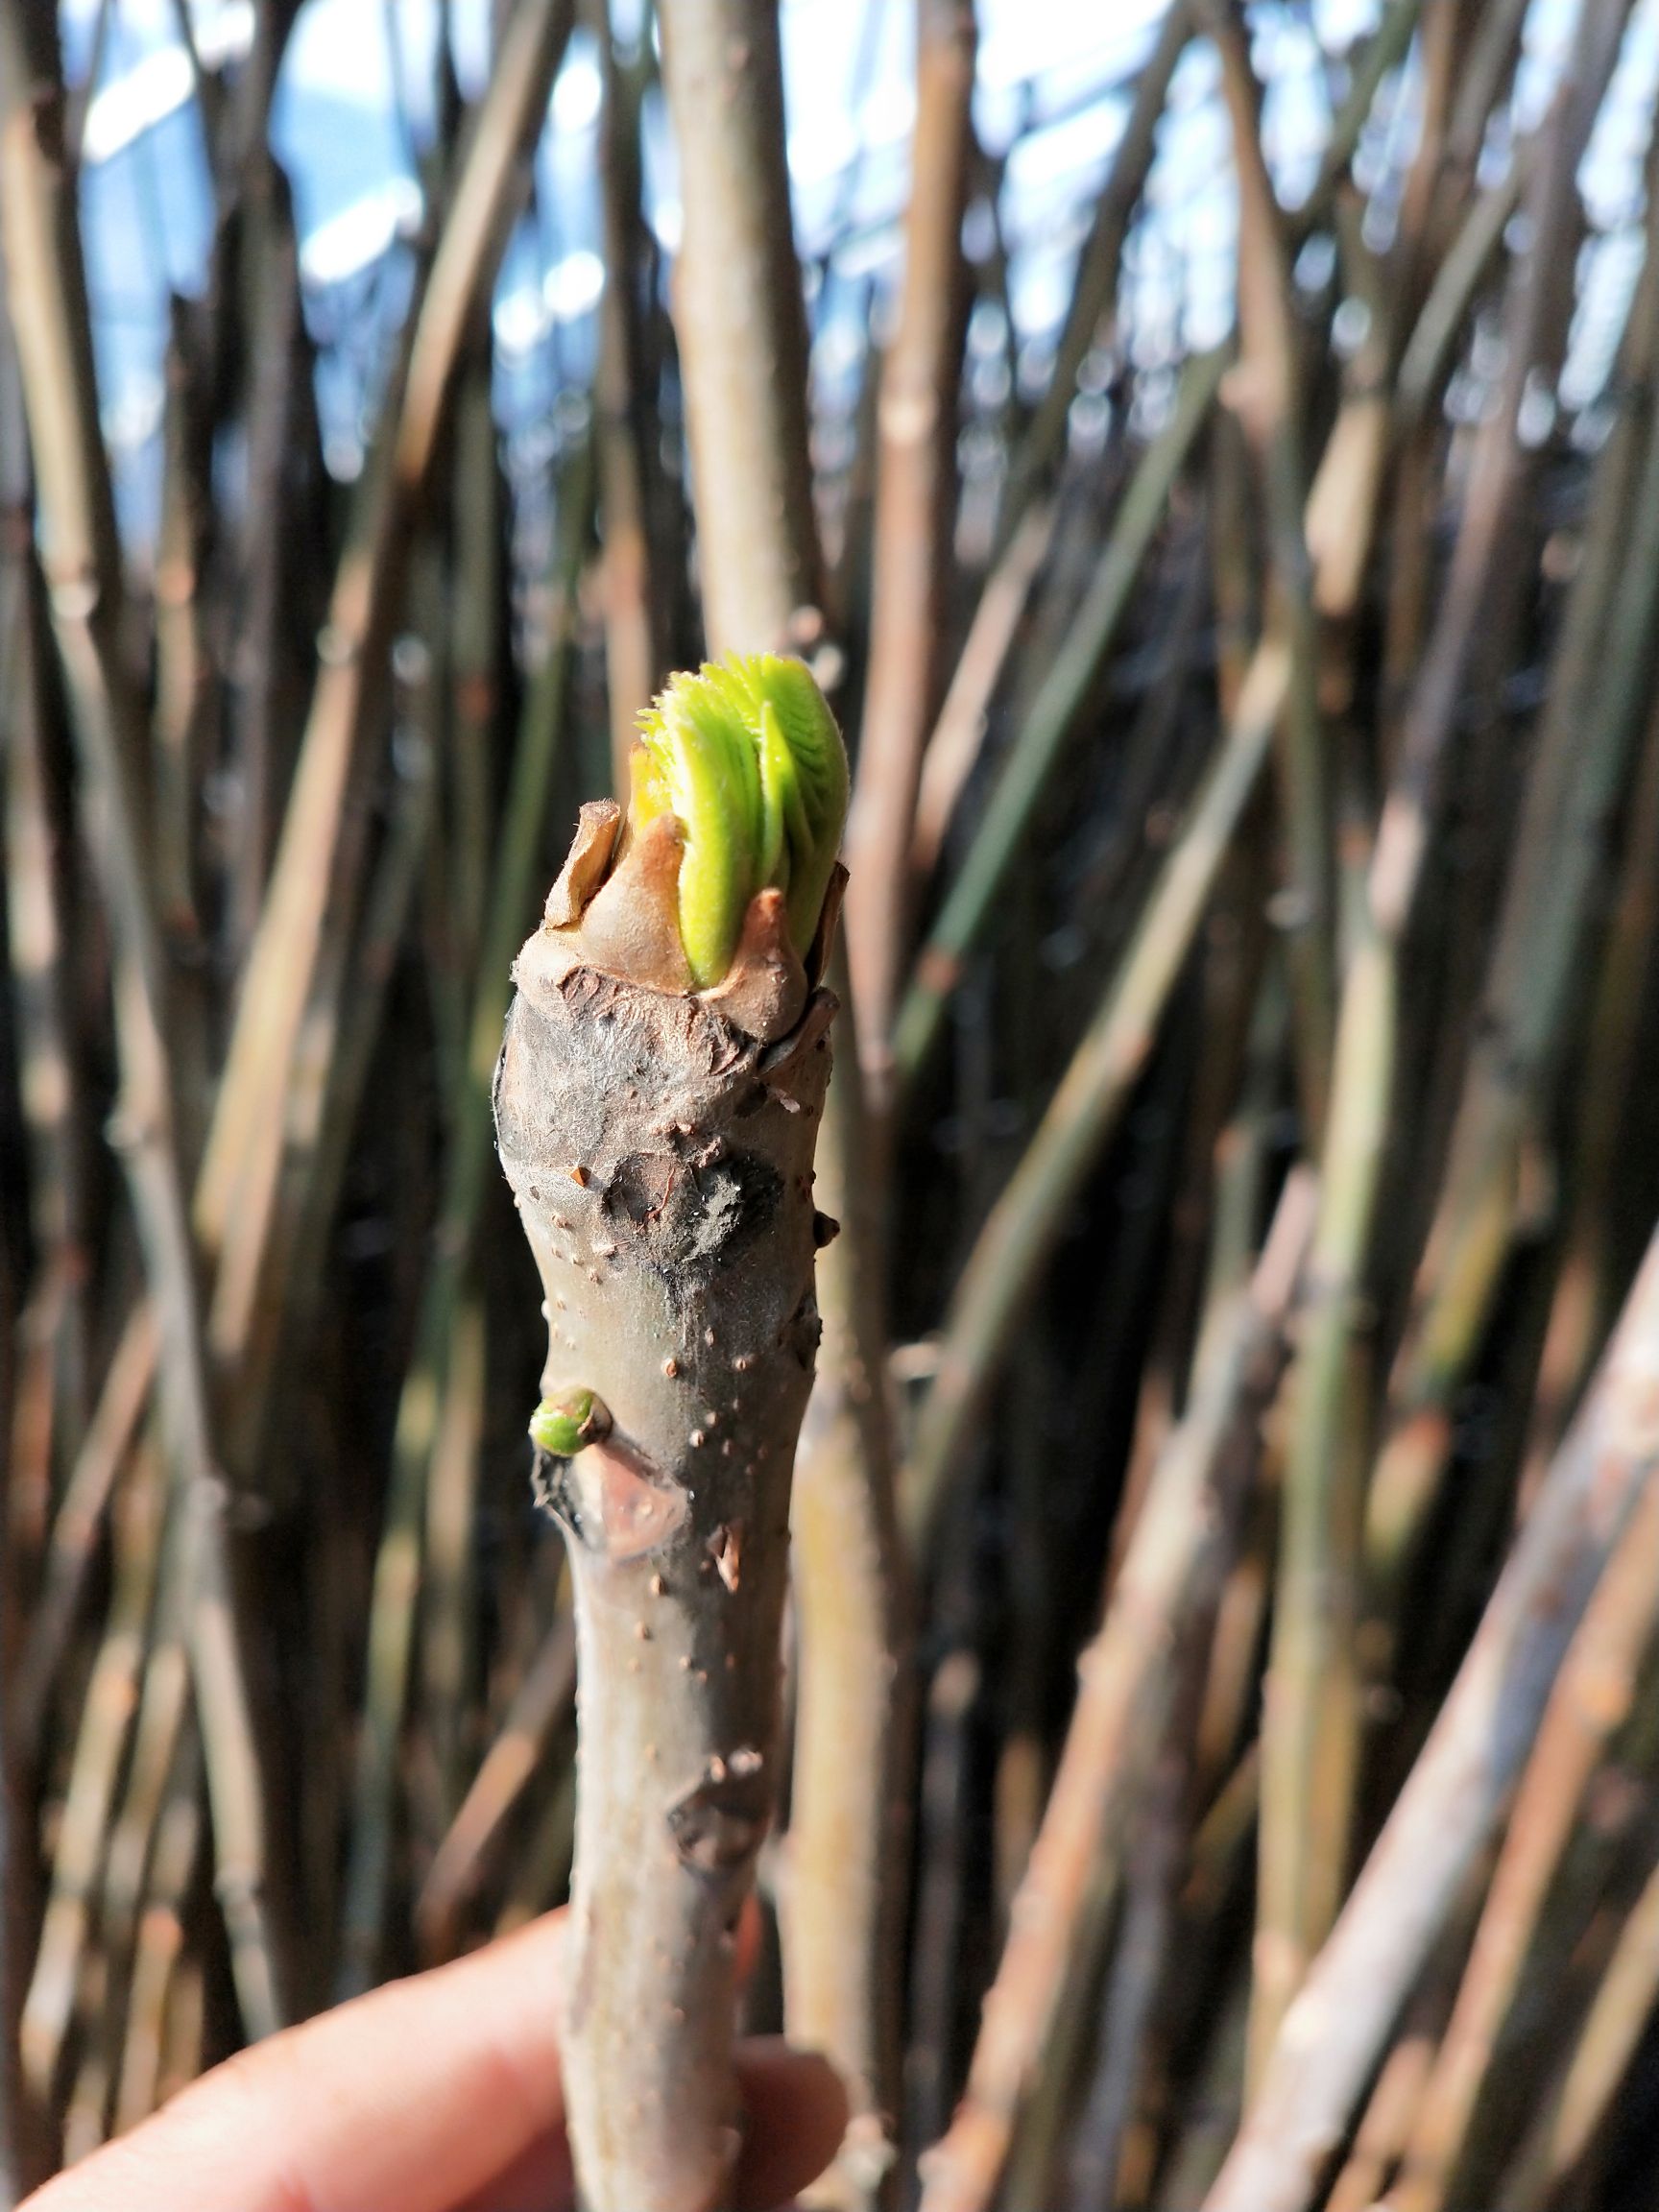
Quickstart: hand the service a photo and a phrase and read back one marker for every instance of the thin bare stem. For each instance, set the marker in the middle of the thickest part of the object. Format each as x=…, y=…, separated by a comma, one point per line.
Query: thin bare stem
x=1310, y=1742
x=448, y=1594
x=1578, y=774
x=1264, y=391
x=37, y=225
x=158, y=1964
x=1336, y=2029
x=915, y=502
x=1055, y=713
x=1309, y=1738
x=1586, y=1287
x=240, y=1165
x=1011, y=1249
x=319, y=1138
x=38, y=890
x=397, y=1562
x=1592, y=1696
x=950, y=752
x=1500, y=468
x=79, y=1518
x=636, y=627
x=100, y=1747
x=741, y=327
x=540, y=1704
x=843, y=1903
x=1169, y=1581
x=1098, y=266
x=1577, y=2105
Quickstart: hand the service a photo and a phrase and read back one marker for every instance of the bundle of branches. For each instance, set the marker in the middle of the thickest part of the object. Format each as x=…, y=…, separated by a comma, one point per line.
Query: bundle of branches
x=1217, y=1757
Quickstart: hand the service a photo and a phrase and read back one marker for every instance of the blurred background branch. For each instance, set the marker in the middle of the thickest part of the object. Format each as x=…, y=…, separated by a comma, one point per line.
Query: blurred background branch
x=1209, y=452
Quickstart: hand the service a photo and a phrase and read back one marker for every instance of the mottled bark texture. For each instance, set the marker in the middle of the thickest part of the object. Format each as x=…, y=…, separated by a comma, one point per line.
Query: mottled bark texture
x=660, y=1144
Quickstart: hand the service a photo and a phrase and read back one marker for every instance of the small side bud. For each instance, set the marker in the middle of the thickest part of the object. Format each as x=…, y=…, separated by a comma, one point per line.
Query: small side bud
x=560, y=1426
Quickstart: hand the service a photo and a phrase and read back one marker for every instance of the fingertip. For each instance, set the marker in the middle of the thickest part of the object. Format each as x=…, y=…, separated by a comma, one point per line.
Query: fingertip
x=796, y=2112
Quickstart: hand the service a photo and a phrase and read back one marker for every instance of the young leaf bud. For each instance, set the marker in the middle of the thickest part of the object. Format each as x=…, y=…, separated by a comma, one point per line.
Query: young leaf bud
x=562, y=1426
x=747, y=758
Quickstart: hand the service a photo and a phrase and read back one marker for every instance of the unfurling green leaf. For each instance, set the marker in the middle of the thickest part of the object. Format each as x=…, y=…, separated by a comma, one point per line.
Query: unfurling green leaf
x=747, y=758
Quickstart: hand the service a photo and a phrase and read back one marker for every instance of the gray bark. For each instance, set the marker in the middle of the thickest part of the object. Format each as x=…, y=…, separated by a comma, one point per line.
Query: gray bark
x=661, y=1159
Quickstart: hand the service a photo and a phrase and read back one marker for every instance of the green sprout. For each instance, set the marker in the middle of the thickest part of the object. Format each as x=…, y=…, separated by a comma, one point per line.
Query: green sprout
x=747, y=758
x=562, y=1426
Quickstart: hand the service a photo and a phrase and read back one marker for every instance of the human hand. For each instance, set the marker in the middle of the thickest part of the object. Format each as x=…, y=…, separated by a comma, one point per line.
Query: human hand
x=438, y=2094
